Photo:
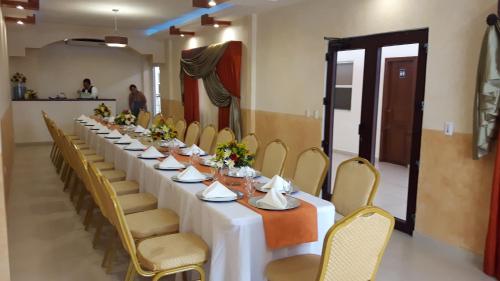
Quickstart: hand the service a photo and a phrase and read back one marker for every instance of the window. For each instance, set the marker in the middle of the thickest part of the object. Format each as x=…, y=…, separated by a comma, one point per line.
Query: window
x=156, y=90
x=343, y=88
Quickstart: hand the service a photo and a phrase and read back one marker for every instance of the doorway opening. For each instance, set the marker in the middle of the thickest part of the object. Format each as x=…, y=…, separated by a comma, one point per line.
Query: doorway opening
x=374, y=108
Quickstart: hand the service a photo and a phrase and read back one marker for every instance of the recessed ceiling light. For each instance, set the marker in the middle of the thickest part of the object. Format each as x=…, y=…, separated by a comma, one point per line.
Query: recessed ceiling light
x=212, y=3
x=20, y=7
x=182, y=35
x=20, y=22
x=216, y=25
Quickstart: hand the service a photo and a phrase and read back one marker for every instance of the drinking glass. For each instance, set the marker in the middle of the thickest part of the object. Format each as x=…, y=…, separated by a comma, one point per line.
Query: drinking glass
x=288, y=188
x=194, y=159
x=249, y=186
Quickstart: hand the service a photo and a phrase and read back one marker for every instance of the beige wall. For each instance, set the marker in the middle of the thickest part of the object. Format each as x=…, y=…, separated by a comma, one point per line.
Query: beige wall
x=6, y=141
x=59, y=68
x=286, y=76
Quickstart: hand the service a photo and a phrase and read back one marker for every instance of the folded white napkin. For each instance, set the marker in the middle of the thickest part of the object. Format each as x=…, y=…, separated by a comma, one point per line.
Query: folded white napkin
x=193, y=149
x=114, y=135
x=111, y=119
x=277, y=183
x=146, y=132
x=92, y=122
x=173, y=143
x=152, y=152
x=139, y=129
x=209, y=160
x=191, y=173
x=171, y=163
x=103, y=130
x=82, y=118
x=218, y=190
x=273, y=199
x=242, y=172
x=135, y=145
x=124, y=139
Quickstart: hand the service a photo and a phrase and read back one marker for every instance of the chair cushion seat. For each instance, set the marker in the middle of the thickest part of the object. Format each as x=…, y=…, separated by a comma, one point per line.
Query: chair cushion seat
x=78, y=142
x=138, y=202
x=88, y=152
x=83, y=146
x=172, y=251
x=104, y=166
x=125, y=187
x=152, y=223
x=297, y=268
x=94, y=158
x=114, y=175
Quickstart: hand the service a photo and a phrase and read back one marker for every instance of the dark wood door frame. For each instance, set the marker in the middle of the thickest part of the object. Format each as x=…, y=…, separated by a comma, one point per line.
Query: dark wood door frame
x=372, y=44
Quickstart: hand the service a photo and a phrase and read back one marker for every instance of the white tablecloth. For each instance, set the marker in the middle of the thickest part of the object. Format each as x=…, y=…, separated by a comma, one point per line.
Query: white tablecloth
x=233, y=232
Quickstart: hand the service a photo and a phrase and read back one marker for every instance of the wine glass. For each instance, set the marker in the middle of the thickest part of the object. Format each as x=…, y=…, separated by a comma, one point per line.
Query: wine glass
x=288, y=187
x=195, y=155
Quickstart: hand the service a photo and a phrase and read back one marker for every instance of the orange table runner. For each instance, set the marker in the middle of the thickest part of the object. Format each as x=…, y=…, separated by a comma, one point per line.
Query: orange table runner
x=282, y=228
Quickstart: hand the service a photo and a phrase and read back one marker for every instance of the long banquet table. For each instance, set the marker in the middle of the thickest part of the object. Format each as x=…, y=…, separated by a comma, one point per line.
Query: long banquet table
x=233, y=232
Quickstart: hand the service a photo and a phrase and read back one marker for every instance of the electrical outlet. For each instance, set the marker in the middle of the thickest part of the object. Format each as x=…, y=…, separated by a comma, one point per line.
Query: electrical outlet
x=449, y=128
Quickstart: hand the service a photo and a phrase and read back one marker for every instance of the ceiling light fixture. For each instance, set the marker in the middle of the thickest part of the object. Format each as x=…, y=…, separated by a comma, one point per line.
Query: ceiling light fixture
x=20, y=7
x=212, y=3
x=176, y=31
x=33, y=5
x=207, y=20
x=20, y=22
x=116, y=41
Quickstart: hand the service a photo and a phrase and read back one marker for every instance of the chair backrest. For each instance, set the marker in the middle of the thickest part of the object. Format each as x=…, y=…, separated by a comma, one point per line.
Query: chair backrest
x=225, y=135
x=207, y=138
x=356, y=184
x=143, y=118
x=192, y=133
x=354, y=246
x=157, y=119
x=169, y=120
x=95, y=179
x=252, y=143
x=274, y=158
x=310, y=171
x=180, y=127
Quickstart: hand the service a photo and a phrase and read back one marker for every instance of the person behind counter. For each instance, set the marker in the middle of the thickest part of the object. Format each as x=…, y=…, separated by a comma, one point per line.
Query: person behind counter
x=136, y=100
x=88, y=91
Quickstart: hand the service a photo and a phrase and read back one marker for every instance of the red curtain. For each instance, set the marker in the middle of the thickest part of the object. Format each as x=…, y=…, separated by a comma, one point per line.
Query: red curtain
x=229, y=72
x=492, y=248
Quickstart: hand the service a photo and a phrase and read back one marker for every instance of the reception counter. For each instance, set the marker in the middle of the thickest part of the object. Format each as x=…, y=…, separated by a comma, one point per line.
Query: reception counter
x=29, y=126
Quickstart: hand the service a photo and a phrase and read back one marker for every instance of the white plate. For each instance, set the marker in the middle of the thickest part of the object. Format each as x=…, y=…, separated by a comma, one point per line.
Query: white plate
x=292, y=203
x=185, y=154
x=149, y=158
x=239, y=195
x=259, y=185
x=122, y=143
x=232, y=175
x=157, y=166
x=134, y=149
x=103, y=133
x=175, y=178
x=112, y=138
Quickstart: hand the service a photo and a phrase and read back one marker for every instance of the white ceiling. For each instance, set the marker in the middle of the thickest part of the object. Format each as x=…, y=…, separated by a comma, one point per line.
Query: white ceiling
x=133, y=14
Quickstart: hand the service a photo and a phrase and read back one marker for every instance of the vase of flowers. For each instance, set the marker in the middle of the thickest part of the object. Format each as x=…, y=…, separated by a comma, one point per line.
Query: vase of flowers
x=233, y=155
x=163, y=132
x=18, y=86
x=102, y=111
x=125, y=118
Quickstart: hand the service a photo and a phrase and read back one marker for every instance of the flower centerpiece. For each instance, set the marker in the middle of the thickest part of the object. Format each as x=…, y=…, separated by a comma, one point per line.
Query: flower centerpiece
x=125, y=118
x=102, y=111
x=163, y=132
x=233, y=155
x=30, y=94
x=18, y=86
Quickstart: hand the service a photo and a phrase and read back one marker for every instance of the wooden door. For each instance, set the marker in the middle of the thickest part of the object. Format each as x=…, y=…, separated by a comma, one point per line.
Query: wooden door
x=398, y=106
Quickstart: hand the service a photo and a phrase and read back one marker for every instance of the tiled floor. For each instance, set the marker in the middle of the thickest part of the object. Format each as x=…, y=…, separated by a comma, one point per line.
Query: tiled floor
x=48, y=243
x=393, y=188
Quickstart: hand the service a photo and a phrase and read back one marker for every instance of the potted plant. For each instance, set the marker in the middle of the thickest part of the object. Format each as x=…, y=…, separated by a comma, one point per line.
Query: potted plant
x=18, y=86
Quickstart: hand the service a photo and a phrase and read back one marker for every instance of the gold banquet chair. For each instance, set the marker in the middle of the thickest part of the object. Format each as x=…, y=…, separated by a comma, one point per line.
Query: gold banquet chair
x=310, y=171
x=169, y=120
x=352, y=250
x=180, y=127
x=252, y=143
x=356, y=184
x=192, y=134
x=225, y=135
x=274, y=158
x=143, y=118
x=157, y=119
x=207, y=138
x=158, y=256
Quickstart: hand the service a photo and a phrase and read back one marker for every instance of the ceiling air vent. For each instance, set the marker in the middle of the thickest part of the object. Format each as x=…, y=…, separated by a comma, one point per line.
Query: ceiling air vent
x=85, y=42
